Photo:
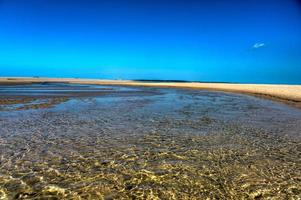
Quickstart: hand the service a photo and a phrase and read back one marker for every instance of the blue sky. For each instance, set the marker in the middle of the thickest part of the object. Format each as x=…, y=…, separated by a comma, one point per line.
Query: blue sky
x=248, y=41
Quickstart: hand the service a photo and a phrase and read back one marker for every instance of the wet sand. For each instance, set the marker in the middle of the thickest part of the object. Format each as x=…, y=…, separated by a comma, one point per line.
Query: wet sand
x=113, y=142
x=290, y=94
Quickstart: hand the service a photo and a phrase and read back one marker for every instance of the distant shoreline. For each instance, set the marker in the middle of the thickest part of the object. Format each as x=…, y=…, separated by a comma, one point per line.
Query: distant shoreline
x=289, y=94
x=174, y=81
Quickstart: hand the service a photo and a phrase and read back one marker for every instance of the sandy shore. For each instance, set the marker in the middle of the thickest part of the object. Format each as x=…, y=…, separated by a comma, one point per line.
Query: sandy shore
x=290, y=94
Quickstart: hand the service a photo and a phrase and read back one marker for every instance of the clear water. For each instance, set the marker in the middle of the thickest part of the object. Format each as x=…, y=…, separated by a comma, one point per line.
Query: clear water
x=66, y=142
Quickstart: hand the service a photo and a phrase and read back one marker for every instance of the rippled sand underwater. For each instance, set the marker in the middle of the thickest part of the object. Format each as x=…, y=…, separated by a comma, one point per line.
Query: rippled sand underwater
x=146, y=143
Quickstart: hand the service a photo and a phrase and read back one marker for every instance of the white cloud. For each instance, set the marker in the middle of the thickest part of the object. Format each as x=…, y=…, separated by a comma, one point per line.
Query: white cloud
x=258, y=45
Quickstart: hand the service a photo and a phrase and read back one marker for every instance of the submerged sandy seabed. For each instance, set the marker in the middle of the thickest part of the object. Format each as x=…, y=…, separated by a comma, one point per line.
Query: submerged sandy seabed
x=64, y=141
x=290, y=94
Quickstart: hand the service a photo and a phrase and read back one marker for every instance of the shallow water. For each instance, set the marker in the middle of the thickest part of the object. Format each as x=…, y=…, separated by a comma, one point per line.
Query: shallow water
x=61, y=141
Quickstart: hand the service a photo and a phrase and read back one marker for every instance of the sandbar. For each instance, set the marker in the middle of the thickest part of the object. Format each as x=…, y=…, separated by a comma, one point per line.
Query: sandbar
x=290, y=94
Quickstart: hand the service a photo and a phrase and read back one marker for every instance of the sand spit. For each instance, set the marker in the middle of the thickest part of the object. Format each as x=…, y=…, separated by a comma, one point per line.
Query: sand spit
x=290, y=94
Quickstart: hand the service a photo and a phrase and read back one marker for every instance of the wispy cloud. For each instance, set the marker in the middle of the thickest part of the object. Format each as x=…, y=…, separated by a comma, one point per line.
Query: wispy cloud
x=258, y=45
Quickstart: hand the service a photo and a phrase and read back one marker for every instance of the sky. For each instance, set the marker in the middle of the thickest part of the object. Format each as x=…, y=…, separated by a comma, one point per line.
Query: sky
x=243, y=41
